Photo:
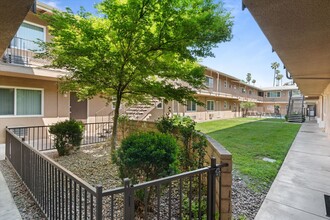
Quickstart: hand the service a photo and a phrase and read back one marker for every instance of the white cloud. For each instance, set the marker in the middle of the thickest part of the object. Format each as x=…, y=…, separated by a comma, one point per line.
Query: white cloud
x=52, y=3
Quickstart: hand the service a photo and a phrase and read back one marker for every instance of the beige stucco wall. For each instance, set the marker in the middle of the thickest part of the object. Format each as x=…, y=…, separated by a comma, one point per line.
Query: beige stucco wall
x=55, y=105
x=326, y=109
x=269, y=107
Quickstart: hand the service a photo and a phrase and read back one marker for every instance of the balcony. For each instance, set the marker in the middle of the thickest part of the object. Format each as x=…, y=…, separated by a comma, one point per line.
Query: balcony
x=22, y=52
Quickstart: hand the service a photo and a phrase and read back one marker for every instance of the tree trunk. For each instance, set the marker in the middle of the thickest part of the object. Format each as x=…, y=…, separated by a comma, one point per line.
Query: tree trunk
x=115, y=124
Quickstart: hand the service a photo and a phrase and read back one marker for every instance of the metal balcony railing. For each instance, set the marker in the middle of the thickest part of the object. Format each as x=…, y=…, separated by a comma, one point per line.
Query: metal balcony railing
x=22, y=52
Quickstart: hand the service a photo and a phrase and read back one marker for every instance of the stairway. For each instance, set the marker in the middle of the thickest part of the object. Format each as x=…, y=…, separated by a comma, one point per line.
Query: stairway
x=295, y=109
x=140, y=112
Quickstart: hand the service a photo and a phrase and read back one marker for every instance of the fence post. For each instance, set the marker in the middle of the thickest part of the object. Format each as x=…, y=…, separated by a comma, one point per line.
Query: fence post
x=99, y=202
x=211, y=190
x=127, y=199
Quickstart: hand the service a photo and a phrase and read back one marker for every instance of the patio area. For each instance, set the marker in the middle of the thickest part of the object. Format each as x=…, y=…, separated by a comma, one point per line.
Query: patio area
x=303, y=180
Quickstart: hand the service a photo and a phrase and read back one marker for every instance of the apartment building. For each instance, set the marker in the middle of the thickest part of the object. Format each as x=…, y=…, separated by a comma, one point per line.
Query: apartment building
x=222, y=97
x=29, y=93
x=302, y=42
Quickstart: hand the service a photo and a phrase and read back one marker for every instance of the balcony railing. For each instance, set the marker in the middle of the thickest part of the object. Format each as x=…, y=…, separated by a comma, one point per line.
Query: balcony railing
x=22, y=52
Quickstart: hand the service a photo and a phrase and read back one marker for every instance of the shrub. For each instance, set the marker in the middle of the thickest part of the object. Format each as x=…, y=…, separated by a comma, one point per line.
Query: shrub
x=286, y=117
x=147, y=156
x=68, y=135
x=192, y=151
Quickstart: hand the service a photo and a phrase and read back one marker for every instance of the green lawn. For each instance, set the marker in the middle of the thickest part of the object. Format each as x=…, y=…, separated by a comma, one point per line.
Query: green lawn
x=250, y=140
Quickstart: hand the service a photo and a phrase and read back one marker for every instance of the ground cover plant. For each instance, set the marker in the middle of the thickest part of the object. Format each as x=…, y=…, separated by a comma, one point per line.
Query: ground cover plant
x=250, y=140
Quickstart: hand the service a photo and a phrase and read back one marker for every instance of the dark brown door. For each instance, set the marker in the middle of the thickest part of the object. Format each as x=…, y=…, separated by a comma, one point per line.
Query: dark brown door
x=78, y=110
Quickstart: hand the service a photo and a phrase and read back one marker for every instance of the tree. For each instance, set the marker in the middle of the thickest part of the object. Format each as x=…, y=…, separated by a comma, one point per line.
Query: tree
x=254, y=81
x=279, y=78
x=248, y=78
x=136, y=48
x=275, y=66
x=246, y=106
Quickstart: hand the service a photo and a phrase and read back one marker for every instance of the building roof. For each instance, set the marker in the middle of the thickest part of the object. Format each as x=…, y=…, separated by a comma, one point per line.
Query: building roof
x=299, y=32
x=280, y=88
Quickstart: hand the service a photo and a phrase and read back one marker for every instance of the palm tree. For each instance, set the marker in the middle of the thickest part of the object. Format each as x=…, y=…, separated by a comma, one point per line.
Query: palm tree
x=248, y=78
x=275, y=66
x=254, y=81
x=279, y=78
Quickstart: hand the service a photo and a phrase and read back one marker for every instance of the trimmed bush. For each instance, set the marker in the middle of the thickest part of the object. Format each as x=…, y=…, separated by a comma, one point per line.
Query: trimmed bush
x=147, y=156
x=193, y=144
x=68, y=135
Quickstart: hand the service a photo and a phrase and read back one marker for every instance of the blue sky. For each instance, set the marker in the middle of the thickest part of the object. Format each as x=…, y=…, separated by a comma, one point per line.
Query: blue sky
x=248, y=52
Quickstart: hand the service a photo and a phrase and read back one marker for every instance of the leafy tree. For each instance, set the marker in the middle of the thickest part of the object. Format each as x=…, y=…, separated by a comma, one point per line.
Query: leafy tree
x=248, y=78
x=254, y=81
x=246, y=106
x=275, y=66
x=136, y=48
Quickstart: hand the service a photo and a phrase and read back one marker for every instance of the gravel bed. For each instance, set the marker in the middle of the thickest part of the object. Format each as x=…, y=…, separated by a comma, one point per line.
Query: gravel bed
x=23, y=199
x=96, y=162
x=245, y=202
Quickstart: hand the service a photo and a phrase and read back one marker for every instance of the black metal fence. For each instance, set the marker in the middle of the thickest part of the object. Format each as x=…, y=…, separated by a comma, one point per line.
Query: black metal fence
x=62, y=195
x=39, y=137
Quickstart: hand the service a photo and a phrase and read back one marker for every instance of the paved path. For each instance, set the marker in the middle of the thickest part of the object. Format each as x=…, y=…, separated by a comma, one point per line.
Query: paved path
x=299, y=188
x=8, y=209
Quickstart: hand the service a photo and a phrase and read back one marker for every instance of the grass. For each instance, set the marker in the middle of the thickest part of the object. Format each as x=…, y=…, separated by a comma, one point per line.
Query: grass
x=250, y=140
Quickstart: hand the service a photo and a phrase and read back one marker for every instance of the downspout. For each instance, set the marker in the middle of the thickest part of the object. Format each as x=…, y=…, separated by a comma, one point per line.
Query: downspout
x=218, y=84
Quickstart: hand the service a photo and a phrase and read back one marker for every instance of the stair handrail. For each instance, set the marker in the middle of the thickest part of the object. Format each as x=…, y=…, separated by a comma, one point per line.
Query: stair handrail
x=152, y=107
x=288, y=113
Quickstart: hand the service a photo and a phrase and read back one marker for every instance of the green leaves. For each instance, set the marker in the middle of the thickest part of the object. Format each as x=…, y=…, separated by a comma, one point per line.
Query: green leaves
x=132, y=40
x=136, y=48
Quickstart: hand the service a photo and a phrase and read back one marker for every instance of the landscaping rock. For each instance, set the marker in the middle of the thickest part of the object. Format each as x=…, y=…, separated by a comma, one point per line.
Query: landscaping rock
x=245, y=201
x=23, y=199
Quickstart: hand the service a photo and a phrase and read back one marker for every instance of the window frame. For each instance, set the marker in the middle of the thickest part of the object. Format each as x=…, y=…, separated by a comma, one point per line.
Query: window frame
x=37, y=25
x=15, y=102
x=207, y=106
x=277, y=92
x=207, y=84
x=225, y=104
x=191, y=104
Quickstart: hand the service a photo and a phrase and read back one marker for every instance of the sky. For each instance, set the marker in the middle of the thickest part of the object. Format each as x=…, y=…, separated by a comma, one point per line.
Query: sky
x=248, y=52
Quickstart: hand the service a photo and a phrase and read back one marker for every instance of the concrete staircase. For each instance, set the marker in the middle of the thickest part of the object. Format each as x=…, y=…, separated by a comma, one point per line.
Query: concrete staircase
x=140, y=112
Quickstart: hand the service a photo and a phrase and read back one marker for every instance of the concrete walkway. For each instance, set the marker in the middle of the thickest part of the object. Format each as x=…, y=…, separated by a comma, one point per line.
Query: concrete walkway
x=299, y=188
x=8, y=209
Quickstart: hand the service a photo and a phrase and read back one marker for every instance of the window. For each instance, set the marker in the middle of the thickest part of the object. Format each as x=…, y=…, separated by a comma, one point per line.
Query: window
x=273, y=94
x=225, y=84
x=18, y=102
x=235, y=87
x=209, y=82
x=27, y=35
x=243, y=90
x=191, y=106
x=210, y=105
x=225, y=104
x=250, y=92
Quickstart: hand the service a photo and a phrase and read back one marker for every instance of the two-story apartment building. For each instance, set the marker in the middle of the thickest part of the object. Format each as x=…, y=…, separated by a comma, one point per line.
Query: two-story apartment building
x=29, y=93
